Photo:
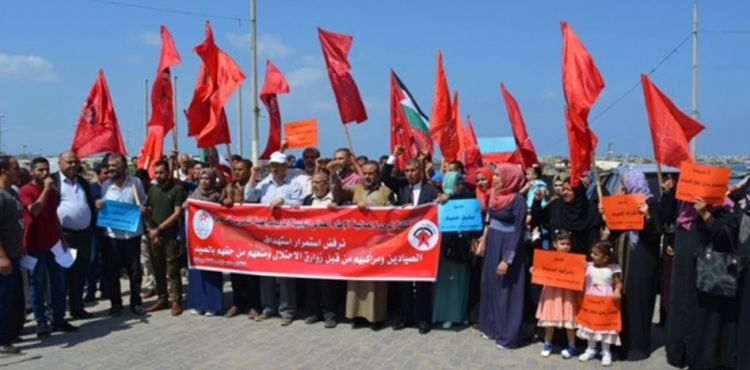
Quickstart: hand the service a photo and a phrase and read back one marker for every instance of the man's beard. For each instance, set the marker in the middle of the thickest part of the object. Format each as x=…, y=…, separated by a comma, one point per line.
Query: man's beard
x=370, y=184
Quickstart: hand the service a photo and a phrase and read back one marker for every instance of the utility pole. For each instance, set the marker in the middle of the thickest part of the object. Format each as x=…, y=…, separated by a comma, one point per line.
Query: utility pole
x=694, y=95
x=254, y=63
x=2, y=115
x=239, y=121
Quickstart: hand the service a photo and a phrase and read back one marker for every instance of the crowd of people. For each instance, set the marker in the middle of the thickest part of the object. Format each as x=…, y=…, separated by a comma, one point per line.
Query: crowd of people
x=483, y=278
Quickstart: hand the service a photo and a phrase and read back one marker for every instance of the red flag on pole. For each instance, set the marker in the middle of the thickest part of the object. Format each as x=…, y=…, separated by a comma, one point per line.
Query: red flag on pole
x=582, y=84
x=459, y=127
x=473, y=155
x=524, y=147
x=401, y=131
x=162, y=107
x=151, y=151
x=219, y=76
x=97, y=130
x=442, y=129
x=336, y=48
x=671, y=130
x=275, y=83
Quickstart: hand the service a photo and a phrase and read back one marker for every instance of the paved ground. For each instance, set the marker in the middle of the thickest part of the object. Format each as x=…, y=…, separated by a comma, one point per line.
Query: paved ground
x=196, y=342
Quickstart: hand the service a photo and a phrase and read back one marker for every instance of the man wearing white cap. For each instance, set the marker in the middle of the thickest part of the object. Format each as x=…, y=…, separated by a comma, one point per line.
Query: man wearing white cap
x=275, y=190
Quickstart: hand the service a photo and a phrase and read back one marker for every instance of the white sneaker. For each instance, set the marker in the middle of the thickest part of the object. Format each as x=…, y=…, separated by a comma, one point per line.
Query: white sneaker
x=588, y=355
x=606, y=359
x=210, y=313
x=546, y=350
x=447, y=325
x=500, y=346
x=195, y=312
x=485, y=336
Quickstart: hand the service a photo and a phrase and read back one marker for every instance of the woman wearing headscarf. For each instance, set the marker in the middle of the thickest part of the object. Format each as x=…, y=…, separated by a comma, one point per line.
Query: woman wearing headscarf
x=483, y=180
x=573, y=212
x=503, y=273
x=701, y=327
x=451, y=285
x=638, y=254
x=205, y=295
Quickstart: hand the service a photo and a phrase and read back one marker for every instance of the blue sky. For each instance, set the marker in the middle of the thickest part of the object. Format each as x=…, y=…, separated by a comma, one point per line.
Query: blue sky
x=50, y=52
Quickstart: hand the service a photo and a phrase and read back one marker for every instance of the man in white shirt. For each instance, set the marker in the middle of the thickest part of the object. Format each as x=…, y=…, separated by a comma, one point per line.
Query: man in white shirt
x=75, y=212
x=122, y=248
x=275, y=190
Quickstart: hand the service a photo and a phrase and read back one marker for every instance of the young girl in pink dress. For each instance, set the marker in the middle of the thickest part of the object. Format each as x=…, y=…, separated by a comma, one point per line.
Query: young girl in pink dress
x=557, y=306
x=603, y=279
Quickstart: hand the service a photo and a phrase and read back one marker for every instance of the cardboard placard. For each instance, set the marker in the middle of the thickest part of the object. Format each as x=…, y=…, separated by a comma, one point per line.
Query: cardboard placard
x=599, y=313
x=301, y=134
x=557, y=269
x=621, y=211
x=707, y=182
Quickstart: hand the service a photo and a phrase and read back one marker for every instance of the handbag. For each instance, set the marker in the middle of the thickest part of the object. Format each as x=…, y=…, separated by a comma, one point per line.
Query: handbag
x=718, y=272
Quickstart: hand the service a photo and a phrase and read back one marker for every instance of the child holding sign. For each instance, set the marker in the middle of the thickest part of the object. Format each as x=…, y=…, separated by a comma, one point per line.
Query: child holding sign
x=557, y=306
x=603, y=279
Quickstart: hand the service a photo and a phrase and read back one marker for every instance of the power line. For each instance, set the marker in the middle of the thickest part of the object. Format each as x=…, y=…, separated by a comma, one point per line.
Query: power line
x=172, y=11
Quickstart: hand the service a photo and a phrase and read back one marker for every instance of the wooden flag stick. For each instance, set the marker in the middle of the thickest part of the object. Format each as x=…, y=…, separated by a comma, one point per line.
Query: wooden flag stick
x=596, y=177
x=229, y=150
x=659, y=177
x=348, y=139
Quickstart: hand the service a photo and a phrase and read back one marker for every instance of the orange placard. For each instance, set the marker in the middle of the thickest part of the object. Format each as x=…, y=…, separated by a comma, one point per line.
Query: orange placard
x=557, y=269
x=621, y=211
x=707, y=182
x=599, y=313
x=301, y=134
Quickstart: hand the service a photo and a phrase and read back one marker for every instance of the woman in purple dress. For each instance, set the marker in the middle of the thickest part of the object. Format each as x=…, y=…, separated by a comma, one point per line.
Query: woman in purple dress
x=503, y=273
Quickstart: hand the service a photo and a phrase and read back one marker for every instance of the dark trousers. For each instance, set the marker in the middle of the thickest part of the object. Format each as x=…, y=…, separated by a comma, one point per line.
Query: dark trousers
x=76, y=275
x=416, y=298
x=321, y=297
x=165, y=260
x=9, y=286
x=245, y=291
x=119, y=254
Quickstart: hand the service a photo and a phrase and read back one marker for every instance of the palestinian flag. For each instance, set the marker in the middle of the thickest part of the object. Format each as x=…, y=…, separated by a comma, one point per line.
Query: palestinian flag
x=417, y=120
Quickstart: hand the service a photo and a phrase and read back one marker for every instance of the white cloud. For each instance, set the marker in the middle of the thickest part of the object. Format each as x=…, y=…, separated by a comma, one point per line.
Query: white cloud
x=373, y=104
x=550, y=95
x=150, y=38
x=312, y=60
x=269, y=46
x=27, y=67
x=323, y=105
x=305, y=76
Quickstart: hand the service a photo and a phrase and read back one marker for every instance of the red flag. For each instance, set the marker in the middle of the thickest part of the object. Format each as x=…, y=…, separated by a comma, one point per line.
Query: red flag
x=275, y=84
x=401, y=131
x=671, y=130
x=582, y=84
x=151, y=151
x=459, y=127
x=219, y=76
x=473, y=155
x=524, y=147
x=442, y=129
x=162, y=107
x=97, y=130
x=336, y=48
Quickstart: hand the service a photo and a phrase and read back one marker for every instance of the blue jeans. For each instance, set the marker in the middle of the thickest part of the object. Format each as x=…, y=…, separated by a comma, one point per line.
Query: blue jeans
x=46, y=266
x=9, y=286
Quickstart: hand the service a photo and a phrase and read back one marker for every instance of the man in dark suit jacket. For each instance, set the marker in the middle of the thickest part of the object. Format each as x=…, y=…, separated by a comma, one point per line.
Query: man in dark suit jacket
x=411, y=190
x=77, y=218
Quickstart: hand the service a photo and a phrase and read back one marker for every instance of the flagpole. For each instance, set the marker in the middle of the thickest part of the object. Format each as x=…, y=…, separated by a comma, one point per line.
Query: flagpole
x=659, y=177
x=174, y=129
x=145, y=105
x=239, y=120
x=694, y=87
x=254, y=64
x=596, y=177
x=348, y=139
